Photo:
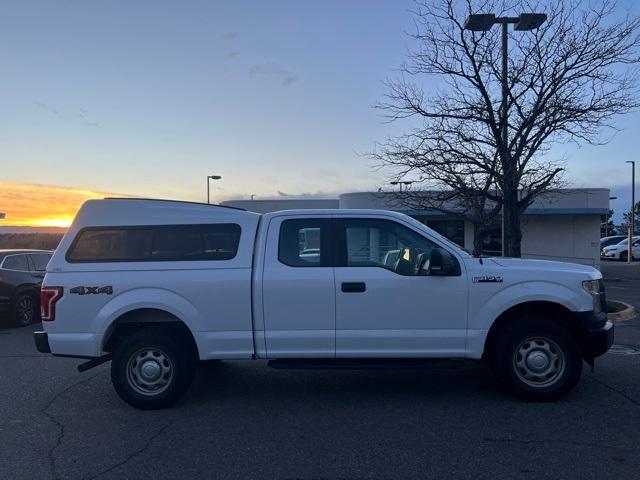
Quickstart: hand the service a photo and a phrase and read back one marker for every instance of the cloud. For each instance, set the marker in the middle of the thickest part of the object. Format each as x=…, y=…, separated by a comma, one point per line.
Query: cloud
x=232, y=55
x=79, y=117
x=273, y=70
x=47, y=108
x=229, y=36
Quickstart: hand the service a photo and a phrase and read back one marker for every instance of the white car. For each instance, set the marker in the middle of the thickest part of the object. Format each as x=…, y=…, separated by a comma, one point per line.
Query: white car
x=154, y=286
x=620, y=251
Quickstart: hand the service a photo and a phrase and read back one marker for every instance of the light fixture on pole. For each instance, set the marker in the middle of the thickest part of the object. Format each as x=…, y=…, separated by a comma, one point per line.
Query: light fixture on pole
x=211, y=177
x=606, y=224
x=632, y=227
x=482, y=23
x=406, y=183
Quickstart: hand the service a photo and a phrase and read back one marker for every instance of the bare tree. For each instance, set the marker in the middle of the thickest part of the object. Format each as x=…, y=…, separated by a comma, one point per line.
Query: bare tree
x=567, y=81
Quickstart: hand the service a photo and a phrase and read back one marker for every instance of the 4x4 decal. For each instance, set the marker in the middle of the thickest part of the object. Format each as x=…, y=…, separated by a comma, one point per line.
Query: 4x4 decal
x=487, y=279
x=92, y=290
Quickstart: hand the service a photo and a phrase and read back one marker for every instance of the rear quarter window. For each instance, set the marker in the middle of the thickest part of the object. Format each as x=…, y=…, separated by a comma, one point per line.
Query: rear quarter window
x=156, y=243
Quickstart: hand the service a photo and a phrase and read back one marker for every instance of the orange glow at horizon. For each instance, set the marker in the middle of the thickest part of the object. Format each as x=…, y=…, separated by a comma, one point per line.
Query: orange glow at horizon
x=41, y=205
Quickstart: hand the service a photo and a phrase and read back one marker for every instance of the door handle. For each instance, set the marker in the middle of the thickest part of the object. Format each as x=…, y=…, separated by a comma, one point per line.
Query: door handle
x=354, y=287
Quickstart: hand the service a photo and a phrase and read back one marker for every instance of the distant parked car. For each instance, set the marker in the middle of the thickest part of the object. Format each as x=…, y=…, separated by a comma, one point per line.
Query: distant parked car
x=620, y=251
x=21, y=274
x=611, y=240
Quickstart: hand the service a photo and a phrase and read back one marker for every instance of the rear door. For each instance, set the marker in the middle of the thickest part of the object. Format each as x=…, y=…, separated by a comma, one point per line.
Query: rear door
x=298, y=288
x=385, y=305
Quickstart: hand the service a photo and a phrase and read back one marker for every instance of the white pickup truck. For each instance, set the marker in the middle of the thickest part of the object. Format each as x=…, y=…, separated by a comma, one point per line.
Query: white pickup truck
x=154, y=286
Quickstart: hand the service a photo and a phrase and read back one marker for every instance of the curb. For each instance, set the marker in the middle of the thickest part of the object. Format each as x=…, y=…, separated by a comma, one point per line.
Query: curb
x=626, y=312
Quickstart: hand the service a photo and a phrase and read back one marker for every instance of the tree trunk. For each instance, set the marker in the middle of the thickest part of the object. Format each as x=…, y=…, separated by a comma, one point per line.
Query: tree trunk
x=478, y=234
x=512, y=232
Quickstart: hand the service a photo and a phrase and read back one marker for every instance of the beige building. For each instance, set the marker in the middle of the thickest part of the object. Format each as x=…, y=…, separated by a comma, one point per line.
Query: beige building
x=562, y=225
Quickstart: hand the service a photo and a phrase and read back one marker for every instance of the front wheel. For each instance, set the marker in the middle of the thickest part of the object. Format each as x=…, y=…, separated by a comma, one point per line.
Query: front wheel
x=624, y=256
x=152, y=369
x=537, y=359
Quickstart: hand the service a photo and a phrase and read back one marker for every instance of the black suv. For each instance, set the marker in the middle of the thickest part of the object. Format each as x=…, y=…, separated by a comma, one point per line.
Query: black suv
x=21, y=274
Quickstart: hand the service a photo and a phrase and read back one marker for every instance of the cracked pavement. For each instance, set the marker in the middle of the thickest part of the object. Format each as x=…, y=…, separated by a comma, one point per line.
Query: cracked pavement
x=242, y=420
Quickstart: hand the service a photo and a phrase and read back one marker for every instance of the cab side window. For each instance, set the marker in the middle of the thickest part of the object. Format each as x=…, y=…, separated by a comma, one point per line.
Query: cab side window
x=305, y=243
x=383, y=243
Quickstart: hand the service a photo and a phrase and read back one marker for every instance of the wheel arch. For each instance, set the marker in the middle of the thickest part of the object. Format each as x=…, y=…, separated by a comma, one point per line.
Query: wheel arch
x=146, y=318
x=556, y=312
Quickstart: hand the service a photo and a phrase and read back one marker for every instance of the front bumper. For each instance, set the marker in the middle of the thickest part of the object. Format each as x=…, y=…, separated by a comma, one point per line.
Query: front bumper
x=42, y=342
x=596, y=342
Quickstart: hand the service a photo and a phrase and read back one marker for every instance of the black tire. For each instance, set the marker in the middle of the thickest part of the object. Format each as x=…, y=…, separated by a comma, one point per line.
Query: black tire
x=169, y=357
x=25, y=310
x=624, y=256
x=528, y=377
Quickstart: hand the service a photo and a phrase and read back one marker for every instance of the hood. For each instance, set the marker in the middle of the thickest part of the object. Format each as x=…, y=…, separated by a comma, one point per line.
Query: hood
x=547, y=265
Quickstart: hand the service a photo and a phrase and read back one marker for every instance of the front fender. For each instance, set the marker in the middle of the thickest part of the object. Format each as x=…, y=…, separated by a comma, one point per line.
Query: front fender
x=545, y=291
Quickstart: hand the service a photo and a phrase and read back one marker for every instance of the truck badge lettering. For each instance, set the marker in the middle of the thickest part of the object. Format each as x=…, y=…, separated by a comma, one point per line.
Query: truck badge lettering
x=488, y=279
x=92, y=290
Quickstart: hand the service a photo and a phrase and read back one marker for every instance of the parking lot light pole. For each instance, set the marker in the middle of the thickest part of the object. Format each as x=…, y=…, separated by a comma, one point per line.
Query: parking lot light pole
x=632, y=227
x=211, y=177
x=606, y=224
x=482, y=23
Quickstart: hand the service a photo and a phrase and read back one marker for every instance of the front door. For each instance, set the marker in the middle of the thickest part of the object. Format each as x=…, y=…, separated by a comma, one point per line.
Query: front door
x=385, y=305
x=298, y=288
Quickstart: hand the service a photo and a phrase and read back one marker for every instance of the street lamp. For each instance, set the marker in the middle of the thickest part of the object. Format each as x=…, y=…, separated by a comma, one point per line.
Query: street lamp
x=606, y=222
x=632, y=229
x=482, y=23
x=211, y=177
x=406, y=183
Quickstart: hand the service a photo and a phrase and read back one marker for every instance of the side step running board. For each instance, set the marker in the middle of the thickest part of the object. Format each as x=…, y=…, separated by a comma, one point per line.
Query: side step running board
x=365, y=363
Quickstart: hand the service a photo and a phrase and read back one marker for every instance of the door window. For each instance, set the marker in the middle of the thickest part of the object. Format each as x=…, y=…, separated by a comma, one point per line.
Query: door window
x=39, y=261
x=305, y=243
x=385, y=244
x=16, y=262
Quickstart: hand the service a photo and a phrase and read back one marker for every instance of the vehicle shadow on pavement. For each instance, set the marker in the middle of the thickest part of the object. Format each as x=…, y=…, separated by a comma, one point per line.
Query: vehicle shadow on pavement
x=254, y=382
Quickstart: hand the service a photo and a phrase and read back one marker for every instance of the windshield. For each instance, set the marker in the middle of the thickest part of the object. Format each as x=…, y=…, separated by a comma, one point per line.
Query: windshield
x=626, y=241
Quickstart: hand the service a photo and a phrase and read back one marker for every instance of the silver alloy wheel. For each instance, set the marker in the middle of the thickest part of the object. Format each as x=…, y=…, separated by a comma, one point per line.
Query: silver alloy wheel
x=538, y=361
x=25, y=310
x=149, y=371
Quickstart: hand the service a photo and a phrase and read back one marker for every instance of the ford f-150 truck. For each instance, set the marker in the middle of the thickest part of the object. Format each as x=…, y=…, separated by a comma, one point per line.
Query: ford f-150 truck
x=155, y=286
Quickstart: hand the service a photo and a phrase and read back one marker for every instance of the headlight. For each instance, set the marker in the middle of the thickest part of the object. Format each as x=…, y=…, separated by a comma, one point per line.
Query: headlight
x=593, y=288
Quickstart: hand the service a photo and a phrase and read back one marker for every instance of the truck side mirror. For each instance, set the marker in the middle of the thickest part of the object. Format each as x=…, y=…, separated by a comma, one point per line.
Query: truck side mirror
x=441, y=263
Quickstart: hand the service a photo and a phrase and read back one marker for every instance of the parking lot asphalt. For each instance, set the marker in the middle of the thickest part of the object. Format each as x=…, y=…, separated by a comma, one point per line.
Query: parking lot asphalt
x=244, y=420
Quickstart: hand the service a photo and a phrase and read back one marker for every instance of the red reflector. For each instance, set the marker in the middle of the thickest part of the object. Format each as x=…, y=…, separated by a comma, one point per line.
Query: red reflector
x=48, y=298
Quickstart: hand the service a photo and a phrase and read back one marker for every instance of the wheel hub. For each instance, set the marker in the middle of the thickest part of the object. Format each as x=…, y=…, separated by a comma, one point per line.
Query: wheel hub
x=149, y=371
x=537, y=361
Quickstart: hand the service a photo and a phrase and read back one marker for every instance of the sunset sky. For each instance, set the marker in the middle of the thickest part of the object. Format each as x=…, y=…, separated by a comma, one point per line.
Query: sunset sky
x=146, y=98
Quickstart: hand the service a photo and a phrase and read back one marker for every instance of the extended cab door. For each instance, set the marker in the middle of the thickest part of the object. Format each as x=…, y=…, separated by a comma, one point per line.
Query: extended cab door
x=386, y=306
x=298, y=288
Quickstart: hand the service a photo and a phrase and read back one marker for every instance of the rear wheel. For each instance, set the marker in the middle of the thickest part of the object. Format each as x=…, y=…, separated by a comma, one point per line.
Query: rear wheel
x=537, y=359
x=152, y=369
x=25, y=310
